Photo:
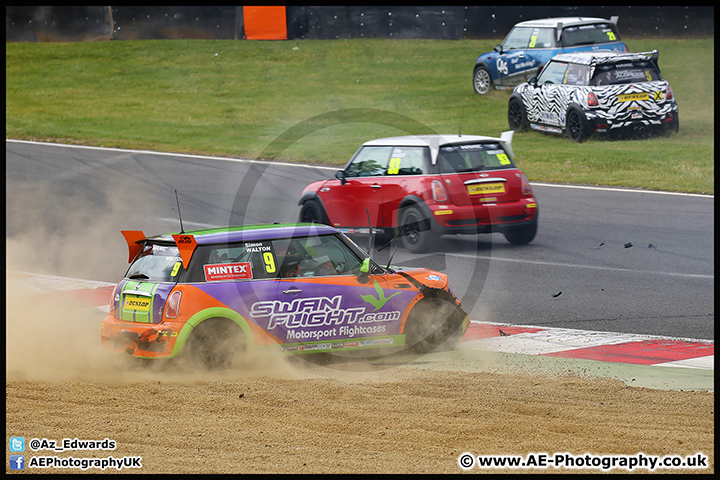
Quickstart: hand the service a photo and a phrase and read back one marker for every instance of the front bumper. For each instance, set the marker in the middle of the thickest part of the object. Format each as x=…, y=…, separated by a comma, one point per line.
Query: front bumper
x=140, y=339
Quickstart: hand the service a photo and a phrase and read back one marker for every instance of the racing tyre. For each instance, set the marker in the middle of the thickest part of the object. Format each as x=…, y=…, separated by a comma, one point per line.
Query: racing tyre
x=312, y=212
x=431, y=323
x=215, y=344
x=517, y=118
x=575, y=127
x=417, y=235
x=482, y=80
x=674, y=126
x=522, y=235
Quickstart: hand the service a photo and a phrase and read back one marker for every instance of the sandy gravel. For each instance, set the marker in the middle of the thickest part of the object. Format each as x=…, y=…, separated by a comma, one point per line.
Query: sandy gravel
x=284, y=415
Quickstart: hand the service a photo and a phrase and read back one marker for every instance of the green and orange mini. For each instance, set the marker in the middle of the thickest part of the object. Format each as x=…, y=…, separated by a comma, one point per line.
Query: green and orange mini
x=207, y=294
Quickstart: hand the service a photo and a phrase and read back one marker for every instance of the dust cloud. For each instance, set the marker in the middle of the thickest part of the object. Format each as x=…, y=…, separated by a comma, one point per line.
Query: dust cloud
x=52, y=335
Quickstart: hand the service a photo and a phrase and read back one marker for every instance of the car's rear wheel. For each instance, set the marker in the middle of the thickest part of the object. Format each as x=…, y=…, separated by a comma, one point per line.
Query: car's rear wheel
x=215, y=344
x=482, y=80
x=517, y=118
x=521, y=235
x=433, y=322
x=417, y=235
x=312, y=212
x=673, y=126
x=575, y=127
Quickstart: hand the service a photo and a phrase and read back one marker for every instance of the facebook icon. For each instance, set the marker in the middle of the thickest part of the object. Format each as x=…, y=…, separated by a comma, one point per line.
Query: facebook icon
x=17, y=462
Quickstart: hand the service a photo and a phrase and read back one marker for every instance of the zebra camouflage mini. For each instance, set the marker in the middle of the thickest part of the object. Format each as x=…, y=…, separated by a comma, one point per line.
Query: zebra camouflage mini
x=596, y=93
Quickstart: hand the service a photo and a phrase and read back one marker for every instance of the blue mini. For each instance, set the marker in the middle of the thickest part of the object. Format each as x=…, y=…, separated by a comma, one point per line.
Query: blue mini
x=531, y=44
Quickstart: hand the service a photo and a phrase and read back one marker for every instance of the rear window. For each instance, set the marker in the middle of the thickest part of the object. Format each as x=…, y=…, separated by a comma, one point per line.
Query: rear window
x=625, y=72
x=589, y=35
x=156, y=263
x=473, y=158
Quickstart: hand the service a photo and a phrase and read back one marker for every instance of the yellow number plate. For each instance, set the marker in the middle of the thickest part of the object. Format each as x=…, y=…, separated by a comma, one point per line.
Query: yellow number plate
x=485, y=188
x=633, y=97
x=137, y=303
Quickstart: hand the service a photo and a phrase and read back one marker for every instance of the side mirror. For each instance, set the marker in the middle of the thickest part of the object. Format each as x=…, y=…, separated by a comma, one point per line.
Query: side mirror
x=498, y=48
x=364, y=274
x=533, y=81
x=340, y=175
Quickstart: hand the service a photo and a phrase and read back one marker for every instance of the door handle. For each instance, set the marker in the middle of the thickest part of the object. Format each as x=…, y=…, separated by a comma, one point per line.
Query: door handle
x=375, y=186
x=292, y=290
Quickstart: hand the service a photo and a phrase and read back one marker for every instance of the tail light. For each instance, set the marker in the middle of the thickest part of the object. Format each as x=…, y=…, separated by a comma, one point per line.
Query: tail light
x=438, y=191
x=669, y=96
x=525, y=185
x=113, y=299
x=592, y=100
x=173, y=304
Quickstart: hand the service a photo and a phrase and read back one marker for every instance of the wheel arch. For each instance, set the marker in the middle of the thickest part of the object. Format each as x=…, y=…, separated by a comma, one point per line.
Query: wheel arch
x=482, y=63
x=457, y=322
x=212, y=314
x=515, y=95
x=312, y=195
x=411, y=201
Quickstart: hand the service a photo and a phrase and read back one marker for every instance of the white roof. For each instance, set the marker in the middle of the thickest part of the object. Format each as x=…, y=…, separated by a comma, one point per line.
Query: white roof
x=437, y=141
x=564, y=21
x=595, y=57
x=429, y=140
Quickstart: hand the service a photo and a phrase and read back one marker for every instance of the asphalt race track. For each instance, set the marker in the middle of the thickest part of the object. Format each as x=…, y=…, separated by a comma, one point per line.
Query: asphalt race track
x=593, y=343
x=613, y=260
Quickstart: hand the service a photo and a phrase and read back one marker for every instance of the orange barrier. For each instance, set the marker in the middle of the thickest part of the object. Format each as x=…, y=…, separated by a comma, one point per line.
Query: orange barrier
x=265, y=23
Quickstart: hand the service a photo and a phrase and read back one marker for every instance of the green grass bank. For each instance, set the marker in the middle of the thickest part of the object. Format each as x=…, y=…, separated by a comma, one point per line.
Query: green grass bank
x=326, y=97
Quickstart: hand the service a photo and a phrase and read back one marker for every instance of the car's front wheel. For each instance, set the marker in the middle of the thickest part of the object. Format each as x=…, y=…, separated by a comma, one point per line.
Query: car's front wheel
x=215, y=344
x=575, y=127
x=416, y=233
x=431, y=323
x=312, y=212
x=517, y=118
x=482, y=80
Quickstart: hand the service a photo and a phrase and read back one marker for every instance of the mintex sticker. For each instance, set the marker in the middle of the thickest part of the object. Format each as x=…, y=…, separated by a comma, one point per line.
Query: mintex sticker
x=227, y=271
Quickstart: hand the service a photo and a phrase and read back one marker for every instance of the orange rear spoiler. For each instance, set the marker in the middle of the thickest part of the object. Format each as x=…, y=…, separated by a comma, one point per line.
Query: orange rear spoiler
x=132, y=237
x=186, y=245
